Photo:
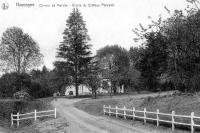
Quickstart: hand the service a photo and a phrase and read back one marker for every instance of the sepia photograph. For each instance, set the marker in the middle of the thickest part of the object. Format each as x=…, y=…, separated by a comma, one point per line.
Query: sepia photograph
x=99, y=66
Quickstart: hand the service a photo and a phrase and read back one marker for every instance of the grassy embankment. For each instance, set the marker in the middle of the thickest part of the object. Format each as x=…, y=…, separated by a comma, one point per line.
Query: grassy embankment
x=181, y=104
x=44, y=124
x=8, y=106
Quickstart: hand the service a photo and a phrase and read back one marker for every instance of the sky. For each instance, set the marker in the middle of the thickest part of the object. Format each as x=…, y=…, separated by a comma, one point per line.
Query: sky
x=108, y=22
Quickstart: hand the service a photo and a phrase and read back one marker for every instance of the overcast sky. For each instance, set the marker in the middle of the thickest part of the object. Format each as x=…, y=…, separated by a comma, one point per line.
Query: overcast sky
x=106, y=25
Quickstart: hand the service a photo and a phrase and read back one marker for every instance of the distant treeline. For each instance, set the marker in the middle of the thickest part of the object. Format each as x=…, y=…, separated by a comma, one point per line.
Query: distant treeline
x=38, y=83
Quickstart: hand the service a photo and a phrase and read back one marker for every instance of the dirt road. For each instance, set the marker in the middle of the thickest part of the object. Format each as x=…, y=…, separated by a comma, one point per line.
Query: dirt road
x=81, y=122
x=73, y=120
x=2, y=130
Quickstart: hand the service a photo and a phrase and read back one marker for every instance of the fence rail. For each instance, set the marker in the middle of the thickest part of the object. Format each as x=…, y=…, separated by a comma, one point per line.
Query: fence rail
x=32, y=115
x=132, y=113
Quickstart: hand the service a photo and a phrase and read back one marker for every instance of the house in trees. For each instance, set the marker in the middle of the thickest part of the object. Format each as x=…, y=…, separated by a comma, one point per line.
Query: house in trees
x=107, y=74
x=106, y=86
x=114, y=66
x=82, y=90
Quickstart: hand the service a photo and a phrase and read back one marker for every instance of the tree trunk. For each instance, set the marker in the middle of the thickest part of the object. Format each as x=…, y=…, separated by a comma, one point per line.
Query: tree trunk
x=114, y=88
x=76, y=75
x=95, y=94
x=111, y=89
x=175, y=68
x=76, y=86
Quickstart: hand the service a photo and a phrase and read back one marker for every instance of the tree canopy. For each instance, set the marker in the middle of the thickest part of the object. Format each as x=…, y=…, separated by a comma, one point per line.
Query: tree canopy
x=114, y=64
x=172, y=49
x=18, y=51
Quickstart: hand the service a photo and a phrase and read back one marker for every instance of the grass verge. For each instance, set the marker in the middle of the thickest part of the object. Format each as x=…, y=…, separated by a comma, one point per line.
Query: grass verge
x=181, y=104
x=9, y=106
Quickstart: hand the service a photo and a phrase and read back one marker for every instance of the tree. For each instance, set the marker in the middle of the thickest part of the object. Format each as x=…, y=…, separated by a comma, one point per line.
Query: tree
x=135, y=54
x=44, y=69
x=181, y=34
x=105, y=85
x=45, y=83
x=114, y=64
x=153, y=61
x=93, y=79
x=13, y=82
x=18, y=51
x=74, y=52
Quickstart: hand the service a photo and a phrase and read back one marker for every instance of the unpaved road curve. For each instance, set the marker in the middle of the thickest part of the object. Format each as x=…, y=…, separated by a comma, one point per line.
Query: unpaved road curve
x=2, y=130
x=82, y=122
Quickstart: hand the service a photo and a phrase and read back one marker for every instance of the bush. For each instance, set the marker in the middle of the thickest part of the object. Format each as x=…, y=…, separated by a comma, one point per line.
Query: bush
x=22, y=95
x=13, y=82
x=7, y=106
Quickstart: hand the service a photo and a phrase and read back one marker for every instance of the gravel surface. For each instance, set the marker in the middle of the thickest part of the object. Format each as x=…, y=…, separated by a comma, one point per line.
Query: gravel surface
x=82, y=122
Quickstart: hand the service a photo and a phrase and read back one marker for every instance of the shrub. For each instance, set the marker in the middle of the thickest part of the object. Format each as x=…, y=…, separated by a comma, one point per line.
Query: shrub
x=7, y=106
x=13, y=82
x=22, y=95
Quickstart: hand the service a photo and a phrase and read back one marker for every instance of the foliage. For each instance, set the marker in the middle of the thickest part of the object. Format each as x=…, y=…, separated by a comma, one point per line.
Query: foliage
x=133, y=79
x=7, y=107
x=114, y=64
x=105, y=85
x=14, y=106
x=45, y=83
x=135, y=55
x=22, y=95
x=19, y=52
x=74, y=52
x=93, y=80
x=179, y=49
x=38, y=83
x=183, y=34
x=153, y=61
x=13, y=82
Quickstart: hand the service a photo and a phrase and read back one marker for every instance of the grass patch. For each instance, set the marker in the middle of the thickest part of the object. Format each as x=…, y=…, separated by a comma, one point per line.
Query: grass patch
x=9, y=106
x=94, y=106
x=181, y=104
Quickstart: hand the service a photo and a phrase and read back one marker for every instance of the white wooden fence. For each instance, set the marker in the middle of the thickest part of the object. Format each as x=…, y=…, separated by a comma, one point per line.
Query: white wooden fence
x=33, y=115
x=124, y=112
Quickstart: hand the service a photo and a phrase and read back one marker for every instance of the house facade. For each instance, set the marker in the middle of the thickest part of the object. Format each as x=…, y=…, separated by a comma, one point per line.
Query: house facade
x=82, y=90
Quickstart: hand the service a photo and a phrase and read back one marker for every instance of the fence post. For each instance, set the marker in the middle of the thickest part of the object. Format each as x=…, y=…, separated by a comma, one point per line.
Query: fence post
x=192, y=122
x=145, y=110
x=133, y=113
x=55, y=113
x=35, y=115
x=124, y=112
x=173, y=113
x=104, y=111
x=109, y=110
x=11, y=119
x=116, y=111
x=17, y=120
x=157, y=117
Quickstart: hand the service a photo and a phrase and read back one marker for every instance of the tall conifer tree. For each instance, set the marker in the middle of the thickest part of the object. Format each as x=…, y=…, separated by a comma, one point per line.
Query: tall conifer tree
x=74, y=52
